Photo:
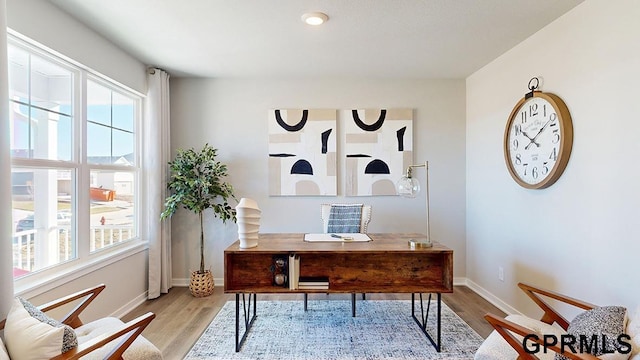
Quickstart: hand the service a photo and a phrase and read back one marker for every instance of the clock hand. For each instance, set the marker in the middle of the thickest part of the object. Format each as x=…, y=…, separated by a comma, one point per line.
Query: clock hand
x=538, y=134
x=531, y=141
x=541, y=130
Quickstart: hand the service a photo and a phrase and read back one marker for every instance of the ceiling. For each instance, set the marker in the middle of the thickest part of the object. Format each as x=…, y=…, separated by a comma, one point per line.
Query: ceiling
x=363, y=38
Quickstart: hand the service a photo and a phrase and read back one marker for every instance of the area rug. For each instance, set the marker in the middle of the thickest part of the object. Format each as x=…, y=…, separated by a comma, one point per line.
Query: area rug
x=382, y=329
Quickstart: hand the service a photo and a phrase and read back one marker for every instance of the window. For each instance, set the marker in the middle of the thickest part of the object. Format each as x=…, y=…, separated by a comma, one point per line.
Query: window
x=111, y=143
x=75, y=168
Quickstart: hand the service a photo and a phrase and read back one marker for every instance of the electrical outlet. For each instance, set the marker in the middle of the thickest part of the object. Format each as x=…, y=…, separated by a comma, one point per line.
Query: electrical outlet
x=500, y=273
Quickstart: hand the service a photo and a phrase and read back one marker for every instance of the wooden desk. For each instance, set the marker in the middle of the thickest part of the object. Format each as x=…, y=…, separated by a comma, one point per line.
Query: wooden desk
x=384, y=265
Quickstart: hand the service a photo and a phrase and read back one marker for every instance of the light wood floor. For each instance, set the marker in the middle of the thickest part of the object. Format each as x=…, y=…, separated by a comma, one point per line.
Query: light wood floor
x=181, y=318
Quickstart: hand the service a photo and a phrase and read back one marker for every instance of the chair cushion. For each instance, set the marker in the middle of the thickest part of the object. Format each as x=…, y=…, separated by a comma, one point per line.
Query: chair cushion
x=495, y=347
x=325, y=210
x=606, y=322
x=69, y=339
x=140, y=349
x=3, y=351
x=345, y=218
x=633, y=330
x=30, y=334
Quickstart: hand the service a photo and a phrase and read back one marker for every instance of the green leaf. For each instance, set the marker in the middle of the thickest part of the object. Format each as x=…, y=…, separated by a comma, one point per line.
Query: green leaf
x=197, y=182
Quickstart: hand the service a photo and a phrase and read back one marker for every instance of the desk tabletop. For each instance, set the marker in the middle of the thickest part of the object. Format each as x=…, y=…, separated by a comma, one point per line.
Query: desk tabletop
x=294, y=242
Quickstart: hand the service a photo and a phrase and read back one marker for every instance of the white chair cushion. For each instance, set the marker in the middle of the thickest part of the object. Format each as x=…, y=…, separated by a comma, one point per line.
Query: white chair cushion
x=633, y=330
x=495, y=347
x=28, y=338
x=3, y=351
x=140, y=349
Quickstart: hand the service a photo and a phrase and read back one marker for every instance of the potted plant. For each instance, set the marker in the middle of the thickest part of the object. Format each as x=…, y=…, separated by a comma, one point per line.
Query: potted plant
x=196, y=184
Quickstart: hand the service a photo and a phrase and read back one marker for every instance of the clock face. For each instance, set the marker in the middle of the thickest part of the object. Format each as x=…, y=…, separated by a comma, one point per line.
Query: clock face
x=538, y=140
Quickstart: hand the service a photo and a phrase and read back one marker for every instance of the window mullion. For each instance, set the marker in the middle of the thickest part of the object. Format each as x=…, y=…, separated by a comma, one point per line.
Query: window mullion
x=111, y=124
x=83, y=181
x=31, y=148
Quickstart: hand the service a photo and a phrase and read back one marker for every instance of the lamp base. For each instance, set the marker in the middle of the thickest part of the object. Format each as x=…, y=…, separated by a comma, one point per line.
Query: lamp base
x=415, y=244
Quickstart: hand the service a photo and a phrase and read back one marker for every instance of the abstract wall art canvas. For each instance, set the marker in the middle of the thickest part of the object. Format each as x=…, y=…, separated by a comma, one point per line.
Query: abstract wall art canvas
x=378, y=148
x=302, y=152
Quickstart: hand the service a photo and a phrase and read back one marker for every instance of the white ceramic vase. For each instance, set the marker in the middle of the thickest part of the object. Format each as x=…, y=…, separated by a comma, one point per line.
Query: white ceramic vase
x=248, y=219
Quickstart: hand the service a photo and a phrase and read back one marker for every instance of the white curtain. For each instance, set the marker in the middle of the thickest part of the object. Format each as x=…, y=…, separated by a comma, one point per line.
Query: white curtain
x=156, y=156
x=6, y=261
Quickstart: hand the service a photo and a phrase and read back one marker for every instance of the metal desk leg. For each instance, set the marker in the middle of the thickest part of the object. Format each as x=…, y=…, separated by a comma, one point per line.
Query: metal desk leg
x=422, y=321
x=248, y=321
x=353, y=305
x=306, y=299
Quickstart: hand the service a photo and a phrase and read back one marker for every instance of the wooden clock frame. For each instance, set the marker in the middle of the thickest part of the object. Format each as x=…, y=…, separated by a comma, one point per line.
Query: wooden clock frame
x=566, y=140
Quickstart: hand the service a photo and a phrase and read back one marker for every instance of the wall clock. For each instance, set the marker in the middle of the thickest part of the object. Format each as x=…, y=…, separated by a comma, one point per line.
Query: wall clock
x=538, y=139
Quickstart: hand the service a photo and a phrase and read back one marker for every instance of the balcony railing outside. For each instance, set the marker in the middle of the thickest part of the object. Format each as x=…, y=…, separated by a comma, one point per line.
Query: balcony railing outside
x=23, y=246
x=24, y=243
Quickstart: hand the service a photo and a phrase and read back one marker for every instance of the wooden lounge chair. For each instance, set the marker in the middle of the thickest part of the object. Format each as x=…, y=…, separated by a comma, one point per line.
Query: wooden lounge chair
x=105, y=338
x=506, y=341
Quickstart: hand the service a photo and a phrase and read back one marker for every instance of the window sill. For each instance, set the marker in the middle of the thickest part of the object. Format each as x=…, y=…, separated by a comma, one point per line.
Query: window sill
x=48, y=279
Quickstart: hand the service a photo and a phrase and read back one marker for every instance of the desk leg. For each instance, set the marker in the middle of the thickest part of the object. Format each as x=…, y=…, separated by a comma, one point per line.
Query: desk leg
x=422, y=321
x=353, y=305
x=247, y=309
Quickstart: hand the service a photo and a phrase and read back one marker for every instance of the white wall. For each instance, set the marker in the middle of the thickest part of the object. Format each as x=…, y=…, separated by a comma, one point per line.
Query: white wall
x=231, y=115
x=579, y=236
x=46, y=24
x=126, y=285
x=51, y=27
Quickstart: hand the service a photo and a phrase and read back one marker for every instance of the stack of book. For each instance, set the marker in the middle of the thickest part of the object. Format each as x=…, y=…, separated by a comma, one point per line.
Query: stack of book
x=294, y=271
x=313, y=283
x=296, y=282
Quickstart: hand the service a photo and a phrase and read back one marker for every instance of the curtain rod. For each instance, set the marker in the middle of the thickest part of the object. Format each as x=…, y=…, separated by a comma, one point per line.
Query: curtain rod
x=152, y=70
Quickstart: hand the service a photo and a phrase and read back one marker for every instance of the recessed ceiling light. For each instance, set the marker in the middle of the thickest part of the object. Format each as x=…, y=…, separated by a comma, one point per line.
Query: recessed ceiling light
x=315, y=18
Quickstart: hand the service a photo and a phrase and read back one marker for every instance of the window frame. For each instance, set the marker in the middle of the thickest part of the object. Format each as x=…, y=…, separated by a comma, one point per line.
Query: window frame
x=86, y=261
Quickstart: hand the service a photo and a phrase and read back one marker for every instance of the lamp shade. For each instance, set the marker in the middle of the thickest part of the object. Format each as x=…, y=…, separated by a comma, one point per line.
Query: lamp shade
x=408, y=187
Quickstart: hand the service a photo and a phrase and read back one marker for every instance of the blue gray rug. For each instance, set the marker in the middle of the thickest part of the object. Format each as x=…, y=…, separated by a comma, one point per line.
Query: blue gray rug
x=383, y=329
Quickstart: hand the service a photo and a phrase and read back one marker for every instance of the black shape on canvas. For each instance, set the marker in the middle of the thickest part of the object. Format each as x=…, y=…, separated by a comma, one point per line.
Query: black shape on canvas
x=281, y=155
x=377, y=166
x=302, y=167
x=325, y=140
x=295, y=127
x=358, y=155
x=400, y=135
x=373, y=127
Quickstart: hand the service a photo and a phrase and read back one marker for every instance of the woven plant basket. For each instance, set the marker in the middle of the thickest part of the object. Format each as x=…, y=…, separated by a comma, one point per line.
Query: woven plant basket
x=201, y=285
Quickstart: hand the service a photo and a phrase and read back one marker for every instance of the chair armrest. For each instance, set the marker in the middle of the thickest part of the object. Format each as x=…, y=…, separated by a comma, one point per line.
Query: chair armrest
x=507, y=329
x=551, y=315
x=73, y=318
x=128, y=332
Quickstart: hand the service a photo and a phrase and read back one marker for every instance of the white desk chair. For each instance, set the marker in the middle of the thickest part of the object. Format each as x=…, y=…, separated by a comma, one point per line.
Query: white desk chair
x=325, y=212
x=353, y=226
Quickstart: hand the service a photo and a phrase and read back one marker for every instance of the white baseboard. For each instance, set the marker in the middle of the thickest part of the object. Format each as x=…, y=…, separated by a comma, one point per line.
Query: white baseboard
x=128, y=307
x=181, y=282
x=497, y=302
x=459, y=281
x=184, y=282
